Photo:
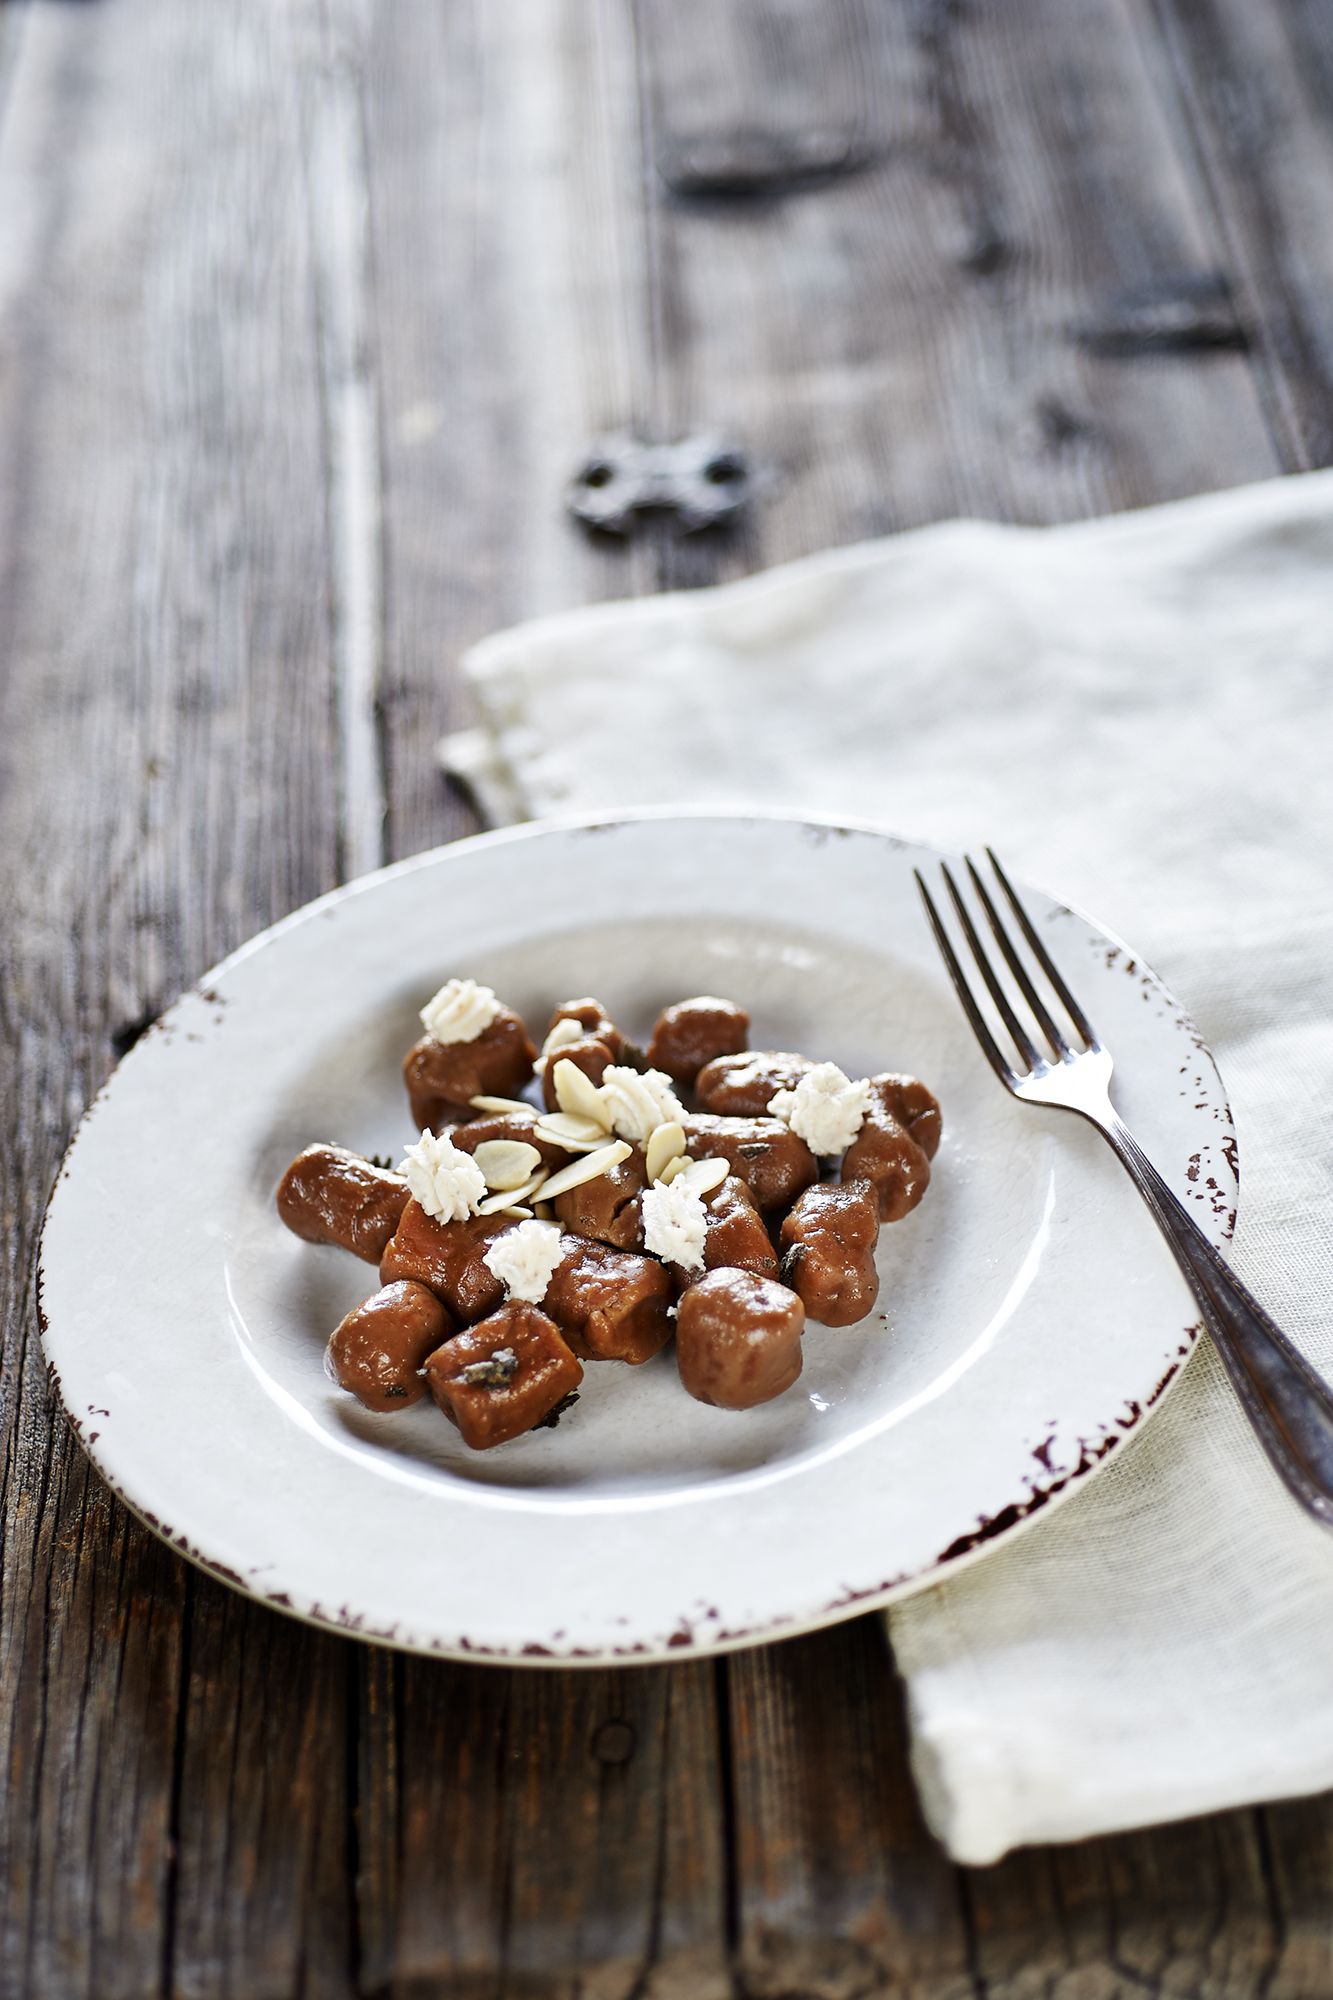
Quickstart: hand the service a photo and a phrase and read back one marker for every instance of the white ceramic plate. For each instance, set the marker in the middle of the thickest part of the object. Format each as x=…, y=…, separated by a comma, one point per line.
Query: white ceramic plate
x=1029, y=1316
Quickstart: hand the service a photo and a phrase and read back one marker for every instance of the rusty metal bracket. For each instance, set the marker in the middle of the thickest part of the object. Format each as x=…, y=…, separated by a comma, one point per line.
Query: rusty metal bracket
x=701, y=481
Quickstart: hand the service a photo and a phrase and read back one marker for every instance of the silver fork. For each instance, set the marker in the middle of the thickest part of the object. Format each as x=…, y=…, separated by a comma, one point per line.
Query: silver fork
x=1288, y=1403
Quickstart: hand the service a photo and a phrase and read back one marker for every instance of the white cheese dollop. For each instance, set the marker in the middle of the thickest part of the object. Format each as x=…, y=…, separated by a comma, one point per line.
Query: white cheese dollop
x=635, y=1102
x=826, y=1108
x=675, y=1223
x=460, y=1011
x=524, y=1257
x=446, y=1181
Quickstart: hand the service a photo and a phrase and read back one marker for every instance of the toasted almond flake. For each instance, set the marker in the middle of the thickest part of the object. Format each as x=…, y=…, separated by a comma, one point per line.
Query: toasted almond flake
x=520, y=1214
x=586, y=1169
x=674, y=1167
x=495, y=1204
x=576, y=1135
x=666, y=1143
x=506, y=1163
x=543, y=1211
x=499, y=1104
x=576, y=1094
x=563, y=1034
x=705, y=1176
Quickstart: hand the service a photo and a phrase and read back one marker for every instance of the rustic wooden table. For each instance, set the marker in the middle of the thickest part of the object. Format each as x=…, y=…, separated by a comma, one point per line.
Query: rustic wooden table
x=308, y=309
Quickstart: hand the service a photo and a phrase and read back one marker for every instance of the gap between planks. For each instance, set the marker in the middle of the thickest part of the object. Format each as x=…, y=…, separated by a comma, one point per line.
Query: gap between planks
x=337, y=173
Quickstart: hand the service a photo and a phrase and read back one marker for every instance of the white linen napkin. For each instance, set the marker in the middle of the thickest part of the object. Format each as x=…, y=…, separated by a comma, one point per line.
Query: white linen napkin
x=1138, y=713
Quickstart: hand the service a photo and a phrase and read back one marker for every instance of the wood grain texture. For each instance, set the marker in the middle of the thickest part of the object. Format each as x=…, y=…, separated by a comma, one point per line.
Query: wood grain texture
x=1256, y=97
x=167, y=736
x=919, y=338
x=541, y=1833
x=510, y=254
x=840, y=1891
x=1181, y=1909
x=308, y=308
x=1298, y=1849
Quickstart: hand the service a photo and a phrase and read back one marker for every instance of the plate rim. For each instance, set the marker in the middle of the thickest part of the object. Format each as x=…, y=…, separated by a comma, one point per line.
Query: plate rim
x=686, y=1641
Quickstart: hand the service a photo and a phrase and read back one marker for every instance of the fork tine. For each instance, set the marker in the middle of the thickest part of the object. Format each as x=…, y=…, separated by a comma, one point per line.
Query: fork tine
x=1022, y=1040
x=1053, y=1033
x=989, y=1046
x=1044, y=959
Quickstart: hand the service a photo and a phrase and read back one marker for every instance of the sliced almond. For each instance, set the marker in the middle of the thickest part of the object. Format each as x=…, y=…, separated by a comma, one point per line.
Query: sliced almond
x=562, y=1035
x=674, y=1166
x=500, y=1104
x=507, y=1163
x=666, y=1143
x=519, y=1214
x=543, y=1211
x=704, y=1176
x=586, y=1169
x=576, y=1135
x=507, y=1198
x=576, y=1094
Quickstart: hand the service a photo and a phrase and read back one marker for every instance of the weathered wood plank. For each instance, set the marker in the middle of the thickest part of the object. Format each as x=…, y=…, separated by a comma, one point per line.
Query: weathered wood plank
x=166, y=744
x=576, y=1818
x=1171, y=1910
x=554, y=1834
x=511, y=314
x=262, y=1897
x=840, y=1890
x=1297, y=1840
x=923, y=335
x=1256, y=96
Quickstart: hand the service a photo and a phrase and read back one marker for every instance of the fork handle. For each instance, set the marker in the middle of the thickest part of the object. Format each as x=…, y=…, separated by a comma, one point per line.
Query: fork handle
x=1287, y=1401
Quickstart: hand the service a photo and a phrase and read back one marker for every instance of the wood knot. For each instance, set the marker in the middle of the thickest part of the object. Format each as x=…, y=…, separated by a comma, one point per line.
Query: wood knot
x=613, y=1742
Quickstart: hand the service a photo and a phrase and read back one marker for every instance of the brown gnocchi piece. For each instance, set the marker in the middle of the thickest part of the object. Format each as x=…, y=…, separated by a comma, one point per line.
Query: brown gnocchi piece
x=763, y=1152
x=885, y=1153
x=916, y=1108
x=376, y=1353
x=694, y=1032
x=610, y=1305
x=828, y=1240
x=596, y=1023
x=503, y=1376
x=442, y=1078
x=744, y=1085
x=779, y=1244
x=331, y=1195
x=737, y=1236
x=608, y=1207
x=738, y=1339
x=449, y=1259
